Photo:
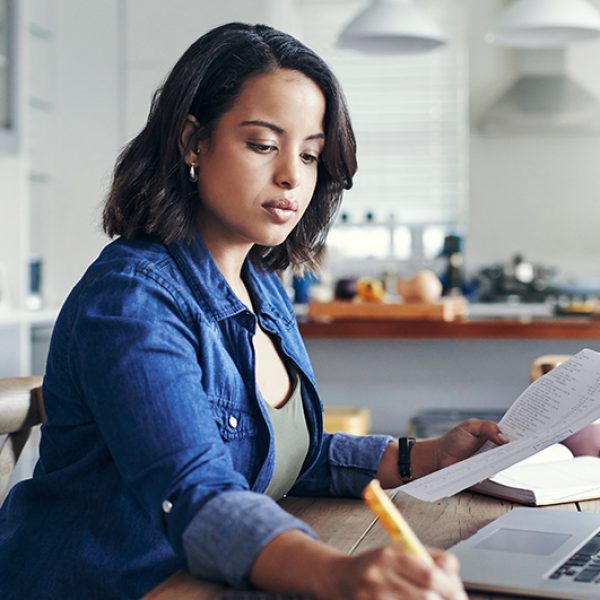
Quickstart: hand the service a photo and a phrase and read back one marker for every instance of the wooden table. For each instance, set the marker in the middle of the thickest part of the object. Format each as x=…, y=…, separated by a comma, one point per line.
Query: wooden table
x=348, y=525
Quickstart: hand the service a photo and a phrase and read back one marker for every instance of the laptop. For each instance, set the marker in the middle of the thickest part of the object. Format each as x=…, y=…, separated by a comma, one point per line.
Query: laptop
x=535, y=552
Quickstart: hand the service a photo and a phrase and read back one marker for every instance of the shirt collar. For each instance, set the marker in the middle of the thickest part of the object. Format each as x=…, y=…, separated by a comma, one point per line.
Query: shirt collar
x=209, y=286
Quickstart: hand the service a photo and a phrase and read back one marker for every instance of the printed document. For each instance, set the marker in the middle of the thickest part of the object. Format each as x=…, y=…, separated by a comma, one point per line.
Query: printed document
x=551, y=409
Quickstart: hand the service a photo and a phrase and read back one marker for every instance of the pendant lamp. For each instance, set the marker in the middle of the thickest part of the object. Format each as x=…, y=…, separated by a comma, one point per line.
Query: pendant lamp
x=391, y=27
x=545, y=24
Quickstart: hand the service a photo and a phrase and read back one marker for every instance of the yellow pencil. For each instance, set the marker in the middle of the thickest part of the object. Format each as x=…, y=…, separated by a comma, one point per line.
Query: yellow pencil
x=393, y=522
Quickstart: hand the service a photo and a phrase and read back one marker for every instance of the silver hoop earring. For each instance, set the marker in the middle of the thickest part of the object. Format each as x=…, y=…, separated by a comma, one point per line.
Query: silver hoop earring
x=193, y=174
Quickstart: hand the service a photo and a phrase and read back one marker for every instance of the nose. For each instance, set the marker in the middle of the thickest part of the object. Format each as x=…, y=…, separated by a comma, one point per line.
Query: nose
x=287, y=174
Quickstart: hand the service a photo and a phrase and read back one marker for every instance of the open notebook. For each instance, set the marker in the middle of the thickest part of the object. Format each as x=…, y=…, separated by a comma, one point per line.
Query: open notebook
x=551, y=476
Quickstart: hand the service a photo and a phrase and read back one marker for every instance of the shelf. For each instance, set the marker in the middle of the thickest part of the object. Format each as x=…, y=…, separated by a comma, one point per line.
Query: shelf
x=46, y=316
x=39, y=177
x=493, y=328
x=40, y=32
x=41, y=104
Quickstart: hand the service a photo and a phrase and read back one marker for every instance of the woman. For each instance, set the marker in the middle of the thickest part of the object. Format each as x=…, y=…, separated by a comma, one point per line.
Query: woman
x=180, y=399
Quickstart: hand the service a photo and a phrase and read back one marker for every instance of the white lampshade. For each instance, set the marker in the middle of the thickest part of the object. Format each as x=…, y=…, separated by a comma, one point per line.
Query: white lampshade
x=545, y=24
x=391, y=26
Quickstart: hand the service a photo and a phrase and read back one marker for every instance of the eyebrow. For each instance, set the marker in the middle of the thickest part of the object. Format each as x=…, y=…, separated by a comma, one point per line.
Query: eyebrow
x=277, y=129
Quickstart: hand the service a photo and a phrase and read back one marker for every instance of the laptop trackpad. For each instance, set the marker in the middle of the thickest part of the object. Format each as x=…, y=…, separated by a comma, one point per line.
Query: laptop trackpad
x=523, y=541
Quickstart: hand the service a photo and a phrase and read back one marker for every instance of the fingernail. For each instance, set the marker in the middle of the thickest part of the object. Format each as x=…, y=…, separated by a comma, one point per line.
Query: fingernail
x=502, y=438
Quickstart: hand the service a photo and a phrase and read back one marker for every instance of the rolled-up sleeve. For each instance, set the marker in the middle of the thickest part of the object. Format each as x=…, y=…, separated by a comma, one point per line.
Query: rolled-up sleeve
x=228, y=532
x=354, y=461
x=345, y=465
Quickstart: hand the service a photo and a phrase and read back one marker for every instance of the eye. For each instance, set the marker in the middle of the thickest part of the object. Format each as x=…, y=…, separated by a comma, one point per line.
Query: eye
x=309, y=158
x=261, y=148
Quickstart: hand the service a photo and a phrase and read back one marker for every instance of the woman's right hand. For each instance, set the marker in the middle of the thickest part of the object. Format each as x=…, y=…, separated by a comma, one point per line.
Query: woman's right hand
x=295, y=562
x=391, y=572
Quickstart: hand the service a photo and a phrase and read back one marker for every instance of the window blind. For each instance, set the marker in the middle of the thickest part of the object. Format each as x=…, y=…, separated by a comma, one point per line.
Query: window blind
x=409, y=113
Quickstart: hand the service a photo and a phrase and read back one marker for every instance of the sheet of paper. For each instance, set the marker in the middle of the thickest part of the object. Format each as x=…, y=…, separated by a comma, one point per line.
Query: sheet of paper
x=549, y=410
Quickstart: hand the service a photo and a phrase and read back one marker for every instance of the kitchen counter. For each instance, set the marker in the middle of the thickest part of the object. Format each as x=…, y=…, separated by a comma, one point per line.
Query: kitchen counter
x=469, y=328
x=482, y=322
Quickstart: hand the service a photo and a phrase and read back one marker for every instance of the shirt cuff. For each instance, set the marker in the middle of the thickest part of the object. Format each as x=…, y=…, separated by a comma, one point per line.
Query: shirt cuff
x=223, y=540
x=354, y=461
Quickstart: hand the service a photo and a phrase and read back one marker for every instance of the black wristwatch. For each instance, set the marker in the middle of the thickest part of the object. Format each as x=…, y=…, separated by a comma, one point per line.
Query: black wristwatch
x=405, y=445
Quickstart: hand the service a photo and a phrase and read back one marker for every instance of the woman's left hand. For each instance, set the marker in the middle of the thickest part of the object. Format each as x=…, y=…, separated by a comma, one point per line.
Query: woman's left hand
x=464, y=440
x=432, y=454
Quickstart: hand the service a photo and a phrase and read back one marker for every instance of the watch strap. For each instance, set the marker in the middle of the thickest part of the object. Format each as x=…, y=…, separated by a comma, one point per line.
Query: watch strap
x=405, y=445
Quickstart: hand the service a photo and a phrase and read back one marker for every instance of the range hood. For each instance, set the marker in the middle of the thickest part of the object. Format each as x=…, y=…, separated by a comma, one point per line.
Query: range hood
x=545, y=24
x=543, y=99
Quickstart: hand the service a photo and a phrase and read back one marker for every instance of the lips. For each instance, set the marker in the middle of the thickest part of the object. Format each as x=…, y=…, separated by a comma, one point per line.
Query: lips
x=282, y=204
x=281, y=211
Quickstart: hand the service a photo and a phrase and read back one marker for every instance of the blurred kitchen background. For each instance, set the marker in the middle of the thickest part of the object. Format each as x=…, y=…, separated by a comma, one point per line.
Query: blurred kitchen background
x=469, y=150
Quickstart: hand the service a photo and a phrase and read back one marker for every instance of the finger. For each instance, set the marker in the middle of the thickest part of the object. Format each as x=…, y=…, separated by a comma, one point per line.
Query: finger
x=387, y=574
x=492, y=432
x=431, y=578
x=403, y=588
x=445, y=561
x=486, y=430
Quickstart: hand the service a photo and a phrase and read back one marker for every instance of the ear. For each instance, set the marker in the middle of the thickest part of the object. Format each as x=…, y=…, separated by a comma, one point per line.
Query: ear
x=187, y=146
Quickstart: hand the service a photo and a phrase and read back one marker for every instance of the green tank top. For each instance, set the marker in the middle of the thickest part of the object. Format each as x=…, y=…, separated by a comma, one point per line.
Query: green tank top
x=291, y=441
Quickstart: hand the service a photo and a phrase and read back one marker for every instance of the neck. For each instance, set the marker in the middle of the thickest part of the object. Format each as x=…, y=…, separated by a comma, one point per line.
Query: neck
x=230, y=264
x=230, y=260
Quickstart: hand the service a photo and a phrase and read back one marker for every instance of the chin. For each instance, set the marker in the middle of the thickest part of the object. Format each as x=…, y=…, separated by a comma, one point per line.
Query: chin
x=272, y=239
x=270, y=243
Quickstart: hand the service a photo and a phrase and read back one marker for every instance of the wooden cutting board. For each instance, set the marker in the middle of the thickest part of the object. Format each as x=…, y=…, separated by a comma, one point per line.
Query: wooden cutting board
x=447, y=309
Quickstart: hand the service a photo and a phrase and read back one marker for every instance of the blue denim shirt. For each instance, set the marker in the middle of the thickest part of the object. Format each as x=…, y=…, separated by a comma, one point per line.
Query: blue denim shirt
x=156, y=450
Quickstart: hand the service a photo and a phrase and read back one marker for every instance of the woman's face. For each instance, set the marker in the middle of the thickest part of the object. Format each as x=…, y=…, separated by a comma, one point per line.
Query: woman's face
x=258, y=172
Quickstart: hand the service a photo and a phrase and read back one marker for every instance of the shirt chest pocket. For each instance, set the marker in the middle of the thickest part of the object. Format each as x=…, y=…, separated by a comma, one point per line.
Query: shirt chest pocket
x=234, y=421
x=239, y=431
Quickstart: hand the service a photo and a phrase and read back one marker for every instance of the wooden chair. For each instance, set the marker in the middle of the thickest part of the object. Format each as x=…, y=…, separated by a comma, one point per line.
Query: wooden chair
x=21, y=409
x=542, y=364
x=586, y=441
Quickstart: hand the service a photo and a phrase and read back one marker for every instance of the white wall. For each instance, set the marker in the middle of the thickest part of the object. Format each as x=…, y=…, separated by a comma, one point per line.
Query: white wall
x=157, y=39
x=14, y=210
x=539, y=194
x=14, y=226
x=110, y=57
x=107, y=71
x=80, y=155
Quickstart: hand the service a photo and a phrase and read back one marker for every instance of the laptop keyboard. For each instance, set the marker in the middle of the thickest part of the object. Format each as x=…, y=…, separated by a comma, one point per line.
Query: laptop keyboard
x=584, y=565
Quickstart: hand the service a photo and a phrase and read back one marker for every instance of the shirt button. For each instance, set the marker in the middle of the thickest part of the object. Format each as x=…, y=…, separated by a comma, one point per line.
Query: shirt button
x=233, y=422
x=167, y=506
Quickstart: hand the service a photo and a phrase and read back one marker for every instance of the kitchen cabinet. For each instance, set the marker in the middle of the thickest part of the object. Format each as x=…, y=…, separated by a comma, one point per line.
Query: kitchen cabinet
x=10, y=83
x=27, y=151
x=25, y=337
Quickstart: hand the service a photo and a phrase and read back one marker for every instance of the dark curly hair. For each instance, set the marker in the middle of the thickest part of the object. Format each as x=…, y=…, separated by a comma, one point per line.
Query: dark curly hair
x=151, y=193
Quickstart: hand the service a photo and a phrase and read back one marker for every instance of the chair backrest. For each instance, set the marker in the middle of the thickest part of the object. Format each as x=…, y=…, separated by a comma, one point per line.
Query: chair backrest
x=21, y=408
x=545, y=363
